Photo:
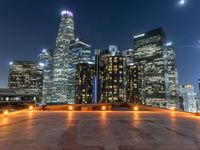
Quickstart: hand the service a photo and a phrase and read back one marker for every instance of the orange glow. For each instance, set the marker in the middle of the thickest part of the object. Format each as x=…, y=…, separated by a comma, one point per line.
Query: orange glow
x=172, y=108
x=103, y=107
x=70, y=108
x=135, y=108
x=5, y=112
x=30, y=107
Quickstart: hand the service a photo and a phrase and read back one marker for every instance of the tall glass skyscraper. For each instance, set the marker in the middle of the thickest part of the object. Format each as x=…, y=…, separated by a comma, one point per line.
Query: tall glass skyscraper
x=151, y=52
x=60, y=59
x=79, y=52
x=172, y=74
x=46, y=61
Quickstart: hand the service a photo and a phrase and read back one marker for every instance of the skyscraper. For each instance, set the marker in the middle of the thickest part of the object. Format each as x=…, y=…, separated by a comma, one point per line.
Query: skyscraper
x=150, y=51
x=60, y=59
x=199, y=85
x=26, y=77
x=83, y=84
x=46, y=60
x=135, y=83
x=114, y=78
x=79, y=52
x=97, y=79
x=172, y=74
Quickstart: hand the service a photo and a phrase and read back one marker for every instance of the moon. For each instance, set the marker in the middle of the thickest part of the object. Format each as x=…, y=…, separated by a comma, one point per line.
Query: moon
x=182, y=2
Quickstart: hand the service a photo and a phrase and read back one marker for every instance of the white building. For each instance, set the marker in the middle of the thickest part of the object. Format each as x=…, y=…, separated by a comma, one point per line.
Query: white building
x=188, y=98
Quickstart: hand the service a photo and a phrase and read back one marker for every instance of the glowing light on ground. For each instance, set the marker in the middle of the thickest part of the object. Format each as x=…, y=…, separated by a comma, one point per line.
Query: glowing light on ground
x=30, y=107
x=103, y=108
x=136, y=108
x=70, y=108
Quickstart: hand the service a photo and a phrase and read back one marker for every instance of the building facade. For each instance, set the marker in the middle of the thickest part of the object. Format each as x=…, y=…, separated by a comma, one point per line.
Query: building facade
x=172, y=75
x=135, y=83
x=11, y=95
x=79, y=52
x=60, y=59
x=26, y=77
x=150, y=50
x=187, y=96
x=46, y=61
x=129, y=55
x=114, y=79
x=83, y=83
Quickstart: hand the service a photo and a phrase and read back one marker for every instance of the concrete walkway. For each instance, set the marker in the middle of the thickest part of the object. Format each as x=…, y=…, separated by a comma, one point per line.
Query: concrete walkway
x=112, y=130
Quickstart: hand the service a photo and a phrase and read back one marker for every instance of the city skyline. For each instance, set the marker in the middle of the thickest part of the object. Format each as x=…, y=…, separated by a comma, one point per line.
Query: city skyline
x=187, y=59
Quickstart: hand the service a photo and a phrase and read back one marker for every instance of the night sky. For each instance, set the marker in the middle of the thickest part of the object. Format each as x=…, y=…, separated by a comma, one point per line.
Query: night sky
x=28, y=26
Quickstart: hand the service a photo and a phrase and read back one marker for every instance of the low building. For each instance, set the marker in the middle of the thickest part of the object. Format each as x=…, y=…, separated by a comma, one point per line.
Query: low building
x=188, y=100
x=10, y=95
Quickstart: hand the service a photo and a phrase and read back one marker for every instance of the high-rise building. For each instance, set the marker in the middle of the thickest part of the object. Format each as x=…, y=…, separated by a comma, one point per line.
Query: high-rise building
x=46, y=61
x=129, y=55
x=97, y=79
x=172, y=75
x=83, y=86
x=60, y=59
x=114, y=79
x=199, y=85
x=79, y=52
x=134, y=83
x=150, y=51
x=188, y=98
x=26, y=77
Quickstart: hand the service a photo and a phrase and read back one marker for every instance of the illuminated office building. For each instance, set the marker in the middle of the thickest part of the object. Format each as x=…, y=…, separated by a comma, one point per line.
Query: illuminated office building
x=46, y=61
x=189, y=101
x=79, y=52
x=172, y=75
x=134, y=83
x=83, y=83
x=26, y=77
x=151, y=51
x=60, y=59
x=113, y=79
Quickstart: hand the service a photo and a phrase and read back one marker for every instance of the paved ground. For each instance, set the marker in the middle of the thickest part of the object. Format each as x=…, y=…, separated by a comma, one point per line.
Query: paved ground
x=100, y=131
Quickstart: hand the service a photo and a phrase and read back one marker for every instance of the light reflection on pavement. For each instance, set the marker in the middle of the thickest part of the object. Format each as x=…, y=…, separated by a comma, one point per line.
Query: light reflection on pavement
x=106, y=130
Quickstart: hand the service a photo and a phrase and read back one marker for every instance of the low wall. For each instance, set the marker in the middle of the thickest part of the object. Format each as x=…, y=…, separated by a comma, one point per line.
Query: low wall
x=147, y=108
x=77, y=107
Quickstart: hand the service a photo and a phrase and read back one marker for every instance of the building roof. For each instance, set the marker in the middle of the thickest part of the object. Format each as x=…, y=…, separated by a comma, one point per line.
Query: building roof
x=12, y=92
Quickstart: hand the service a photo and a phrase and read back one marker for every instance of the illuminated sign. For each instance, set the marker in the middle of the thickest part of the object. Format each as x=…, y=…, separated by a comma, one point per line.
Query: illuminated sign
x=65, y=12
x=169, y=44
x=138, y=36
